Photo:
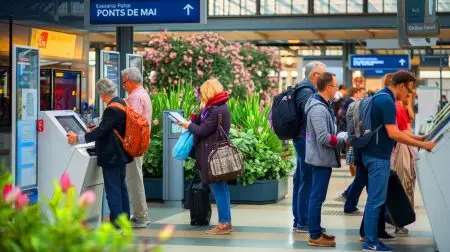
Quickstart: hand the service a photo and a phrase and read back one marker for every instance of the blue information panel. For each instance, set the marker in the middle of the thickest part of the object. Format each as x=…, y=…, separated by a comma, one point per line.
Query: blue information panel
x=380, y=72
x=25, y=114
x=135, y=12
x=376, y=62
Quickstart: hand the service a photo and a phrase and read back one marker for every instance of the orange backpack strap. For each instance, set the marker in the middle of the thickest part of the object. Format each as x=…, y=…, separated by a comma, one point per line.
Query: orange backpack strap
x=121, y=107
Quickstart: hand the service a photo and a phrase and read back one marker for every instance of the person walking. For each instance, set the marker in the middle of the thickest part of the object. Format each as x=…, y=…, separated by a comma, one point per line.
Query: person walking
x=110, y=154
x=322, y=153
x=303, y=176
x=139, y=100
x=204, y=128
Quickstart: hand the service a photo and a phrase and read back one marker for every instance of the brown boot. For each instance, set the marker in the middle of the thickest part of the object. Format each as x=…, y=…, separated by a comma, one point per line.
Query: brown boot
x=220, y=229
x=322, y=242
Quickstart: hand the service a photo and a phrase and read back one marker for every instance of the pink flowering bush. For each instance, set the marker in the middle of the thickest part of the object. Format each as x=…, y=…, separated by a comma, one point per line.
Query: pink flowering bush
x=196, y=58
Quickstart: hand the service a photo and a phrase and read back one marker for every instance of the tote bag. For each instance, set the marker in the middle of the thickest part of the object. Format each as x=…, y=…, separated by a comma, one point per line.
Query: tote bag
x=183, y=146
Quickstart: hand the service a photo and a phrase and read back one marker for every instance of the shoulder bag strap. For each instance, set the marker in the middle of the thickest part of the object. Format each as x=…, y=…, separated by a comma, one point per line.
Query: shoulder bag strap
x=123, y=108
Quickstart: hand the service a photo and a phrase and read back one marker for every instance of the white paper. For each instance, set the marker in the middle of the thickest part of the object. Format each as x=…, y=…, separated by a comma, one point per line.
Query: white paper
x=343, y=135
x=176, y=117
x=29, y=104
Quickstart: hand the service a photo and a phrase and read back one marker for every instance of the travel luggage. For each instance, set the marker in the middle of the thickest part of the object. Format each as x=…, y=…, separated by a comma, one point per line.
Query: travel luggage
x=398, y=207
x=284, y=117
x=137, y=131
x=359, y=123
x=197, y=199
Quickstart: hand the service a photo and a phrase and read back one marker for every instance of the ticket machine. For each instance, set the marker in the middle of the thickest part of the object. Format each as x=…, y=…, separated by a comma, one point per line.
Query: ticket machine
x=56, y=156
x=432, y=174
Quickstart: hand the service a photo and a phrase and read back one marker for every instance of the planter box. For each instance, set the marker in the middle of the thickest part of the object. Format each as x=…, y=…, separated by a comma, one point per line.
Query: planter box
x=260, y=192
x=153, y=189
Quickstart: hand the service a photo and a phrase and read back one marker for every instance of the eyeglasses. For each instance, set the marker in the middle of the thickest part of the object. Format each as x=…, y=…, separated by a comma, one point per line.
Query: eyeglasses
x=125, y=82
x=409, y=90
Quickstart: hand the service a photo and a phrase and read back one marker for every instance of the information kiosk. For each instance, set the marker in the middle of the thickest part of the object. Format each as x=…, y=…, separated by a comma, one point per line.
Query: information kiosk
x=432, y=174
x=56, y=156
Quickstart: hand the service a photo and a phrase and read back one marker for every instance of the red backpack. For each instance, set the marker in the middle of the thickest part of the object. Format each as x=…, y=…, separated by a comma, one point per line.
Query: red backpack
x=137, y=131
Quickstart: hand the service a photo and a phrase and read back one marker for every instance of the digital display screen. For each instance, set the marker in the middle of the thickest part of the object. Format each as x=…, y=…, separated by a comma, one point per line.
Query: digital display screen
x=70, y=123
x=438, y=128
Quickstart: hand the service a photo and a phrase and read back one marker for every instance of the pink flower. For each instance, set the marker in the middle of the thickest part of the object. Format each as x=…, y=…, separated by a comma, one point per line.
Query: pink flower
x=200, y=73
x=65, y=182
x=87, y=199
x=173, y=55
x=6, y=190
x=22, y=200
x=166, y=48
x=190, y=51
x=175, y=82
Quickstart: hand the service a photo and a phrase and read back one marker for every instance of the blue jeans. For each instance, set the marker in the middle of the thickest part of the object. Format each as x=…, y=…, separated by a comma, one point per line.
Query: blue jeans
x=116, y=191
x=320, y=180
x=355, y=189
x=302, y=185
x=378, y=174
x=222, y=196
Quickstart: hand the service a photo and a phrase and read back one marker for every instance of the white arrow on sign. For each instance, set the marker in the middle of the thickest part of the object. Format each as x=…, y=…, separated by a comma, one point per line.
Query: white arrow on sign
x=402, y=61
x=188, y=9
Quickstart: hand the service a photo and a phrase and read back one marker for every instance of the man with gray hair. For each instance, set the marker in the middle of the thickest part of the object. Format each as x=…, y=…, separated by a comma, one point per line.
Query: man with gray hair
x=303, y=173
x=139, y=100
x=110, y=154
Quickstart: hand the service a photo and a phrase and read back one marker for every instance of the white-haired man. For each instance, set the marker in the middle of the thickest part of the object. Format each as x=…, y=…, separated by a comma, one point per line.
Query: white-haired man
x=139, y=100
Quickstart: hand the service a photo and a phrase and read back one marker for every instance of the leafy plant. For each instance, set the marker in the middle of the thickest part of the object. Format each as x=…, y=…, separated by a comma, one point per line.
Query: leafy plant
x=180, y=97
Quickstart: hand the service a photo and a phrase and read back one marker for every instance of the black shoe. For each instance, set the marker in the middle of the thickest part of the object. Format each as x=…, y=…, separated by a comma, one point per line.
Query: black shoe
x=387, y=237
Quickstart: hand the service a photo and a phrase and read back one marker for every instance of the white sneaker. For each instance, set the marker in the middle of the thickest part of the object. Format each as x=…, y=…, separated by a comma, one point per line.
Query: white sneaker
x=138, y=223
x=341, y=198
x=401, y=231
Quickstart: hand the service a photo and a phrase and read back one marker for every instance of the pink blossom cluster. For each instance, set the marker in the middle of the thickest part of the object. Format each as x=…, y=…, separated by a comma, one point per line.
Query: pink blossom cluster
x=198, y=57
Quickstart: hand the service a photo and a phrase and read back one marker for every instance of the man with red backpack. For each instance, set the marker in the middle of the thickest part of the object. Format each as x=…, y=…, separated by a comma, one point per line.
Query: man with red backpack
x=139, y=100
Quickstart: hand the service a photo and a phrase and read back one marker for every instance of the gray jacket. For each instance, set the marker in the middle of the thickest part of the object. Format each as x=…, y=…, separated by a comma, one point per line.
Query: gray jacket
x=322, y=144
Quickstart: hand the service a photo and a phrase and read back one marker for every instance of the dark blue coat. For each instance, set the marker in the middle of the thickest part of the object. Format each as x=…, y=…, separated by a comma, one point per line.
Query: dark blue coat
x=107, y=146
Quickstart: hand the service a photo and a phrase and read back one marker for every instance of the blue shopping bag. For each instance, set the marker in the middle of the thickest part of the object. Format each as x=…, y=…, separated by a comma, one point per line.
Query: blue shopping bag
x=183, y=146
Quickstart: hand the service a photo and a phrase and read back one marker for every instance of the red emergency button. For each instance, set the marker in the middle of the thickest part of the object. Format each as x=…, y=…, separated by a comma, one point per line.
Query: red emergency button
x=40, y=127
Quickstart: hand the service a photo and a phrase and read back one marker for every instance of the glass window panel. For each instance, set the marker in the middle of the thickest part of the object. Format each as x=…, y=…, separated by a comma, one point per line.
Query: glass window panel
x=248, y=7
x=283, y=7
x=321, y=7
x=390, y=6
x=443, y=5
x=355, y=6
x=300, y=6
x=232, y=7
x=338, y=6
x=268, y=6
x=375, y=6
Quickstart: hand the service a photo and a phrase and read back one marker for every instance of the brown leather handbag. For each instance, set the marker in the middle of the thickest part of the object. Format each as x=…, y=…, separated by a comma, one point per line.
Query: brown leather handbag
x=225, y=162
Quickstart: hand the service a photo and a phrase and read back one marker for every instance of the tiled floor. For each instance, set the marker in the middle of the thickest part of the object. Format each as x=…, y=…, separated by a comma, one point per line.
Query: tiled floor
x=267, y=227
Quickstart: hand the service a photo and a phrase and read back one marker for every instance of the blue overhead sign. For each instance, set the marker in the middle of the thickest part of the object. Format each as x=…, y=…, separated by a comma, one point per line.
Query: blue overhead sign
x=141, y=12
x=374, y=62
x=379, y=72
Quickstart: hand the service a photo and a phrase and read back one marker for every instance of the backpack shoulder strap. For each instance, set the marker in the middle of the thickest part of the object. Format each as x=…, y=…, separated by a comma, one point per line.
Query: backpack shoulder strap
x=117, y=105
x=121, y=107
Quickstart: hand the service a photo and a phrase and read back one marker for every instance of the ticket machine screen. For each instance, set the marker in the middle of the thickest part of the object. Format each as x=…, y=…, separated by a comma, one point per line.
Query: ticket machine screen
x=70, y=123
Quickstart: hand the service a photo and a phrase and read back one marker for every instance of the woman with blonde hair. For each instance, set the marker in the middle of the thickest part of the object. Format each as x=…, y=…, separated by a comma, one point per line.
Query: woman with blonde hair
x=204, y=127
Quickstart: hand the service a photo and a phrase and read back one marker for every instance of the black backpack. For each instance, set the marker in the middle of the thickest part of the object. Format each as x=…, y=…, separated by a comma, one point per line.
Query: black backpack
x=285, y=119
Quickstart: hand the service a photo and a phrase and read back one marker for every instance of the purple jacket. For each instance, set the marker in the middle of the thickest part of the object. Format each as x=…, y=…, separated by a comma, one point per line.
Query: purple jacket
x=206, y=137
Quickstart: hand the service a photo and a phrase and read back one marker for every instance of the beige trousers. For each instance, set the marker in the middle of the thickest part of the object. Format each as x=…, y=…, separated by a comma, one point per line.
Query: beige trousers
x=135, y=185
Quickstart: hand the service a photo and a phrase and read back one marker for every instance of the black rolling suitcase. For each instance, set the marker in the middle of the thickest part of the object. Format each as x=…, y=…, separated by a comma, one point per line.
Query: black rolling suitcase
x=399, y=211
x=198, y=201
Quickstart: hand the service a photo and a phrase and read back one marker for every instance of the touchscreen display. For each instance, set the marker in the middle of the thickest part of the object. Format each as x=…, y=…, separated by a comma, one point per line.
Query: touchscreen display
x=70, y=123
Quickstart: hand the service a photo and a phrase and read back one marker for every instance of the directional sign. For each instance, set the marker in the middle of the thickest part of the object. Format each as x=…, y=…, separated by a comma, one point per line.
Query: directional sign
x=379, y=72
x=421, y=18
x=374, y=62
x=142, y=12
x=434, y=61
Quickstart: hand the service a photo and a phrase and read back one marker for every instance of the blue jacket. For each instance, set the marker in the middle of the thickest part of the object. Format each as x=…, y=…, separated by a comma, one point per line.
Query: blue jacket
x=301, y=98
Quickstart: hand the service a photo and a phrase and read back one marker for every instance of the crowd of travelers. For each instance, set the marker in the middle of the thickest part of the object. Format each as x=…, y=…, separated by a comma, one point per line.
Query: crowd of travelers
x=323, y=134
x=326, y=132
